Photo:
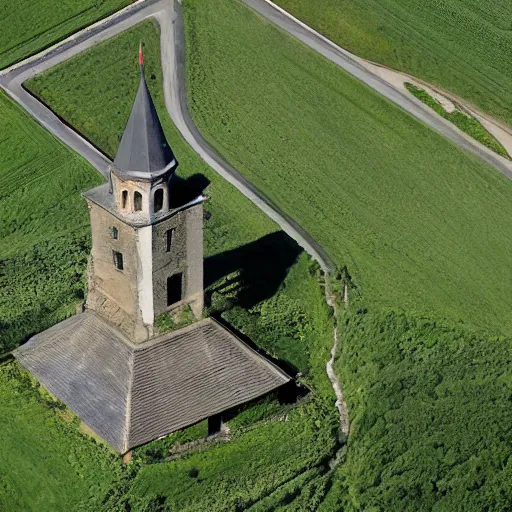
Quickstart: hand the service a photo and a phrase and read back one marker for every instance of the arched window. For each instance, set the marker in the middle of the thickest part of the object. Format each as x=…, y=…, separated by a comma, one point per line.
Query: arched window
x=158, y=200
x=115, y=233
x=124, y=198
x=137, y=201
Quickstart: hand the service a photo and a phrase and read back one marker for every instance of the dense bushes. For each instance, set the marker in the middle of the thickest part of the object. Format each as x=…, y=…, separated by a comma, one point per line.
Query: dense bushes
x=430, y=411
x=293, y=325
x=236, y=475
x=41, y=287
x=43, y=226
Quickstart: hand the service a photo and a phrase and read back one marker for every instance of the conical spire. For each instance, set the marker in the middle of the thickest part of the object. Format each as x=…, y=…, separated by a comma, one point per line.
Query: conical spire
x=144, y=151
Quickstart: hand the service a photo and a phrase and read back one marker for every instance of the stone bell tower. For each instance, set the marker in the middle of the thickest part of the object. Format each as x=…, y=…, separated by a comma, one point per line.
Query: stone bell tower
x=146, y=258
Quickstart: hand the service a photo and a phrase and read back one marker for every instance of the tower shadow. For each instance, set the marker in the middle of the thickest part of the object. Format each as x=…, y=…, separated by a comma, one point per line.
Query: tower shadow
x=253, y=272
x=246, y=276
x=185, y=190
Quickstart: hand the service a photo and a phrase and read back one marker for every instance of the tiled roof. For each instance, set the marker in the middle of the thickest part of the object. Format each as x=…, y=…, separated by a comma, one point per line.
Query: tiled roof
x=131, y=394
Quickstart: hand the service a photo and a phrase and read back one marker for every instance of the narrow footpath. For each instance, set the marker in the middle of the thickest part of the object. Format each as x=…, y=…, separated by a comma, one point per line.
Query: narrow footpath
x=336, y=384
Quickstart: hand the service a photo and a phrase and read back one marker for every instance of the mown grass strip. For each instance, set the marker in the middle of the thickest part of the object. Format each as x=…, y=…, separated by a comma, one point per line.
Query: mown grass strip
x=460, y=46
x=466, y=123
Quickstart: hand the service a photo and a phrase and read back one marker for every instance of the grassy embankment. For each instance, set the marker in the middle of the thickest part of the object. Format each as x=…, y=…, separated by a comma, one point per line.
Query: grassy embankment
x=424, y=230
x=461, y=46
x=466, y=123
x=45, y=463
x=430, y=416
x=32, y=26
x=250, y=283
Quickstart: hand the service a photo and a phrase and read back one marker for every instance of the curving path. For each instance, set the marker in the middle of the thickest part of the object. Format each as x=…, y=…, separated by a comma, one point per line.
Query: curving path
x=359, y=68
x=173, y=61
x=168, y=15
x=173, y=52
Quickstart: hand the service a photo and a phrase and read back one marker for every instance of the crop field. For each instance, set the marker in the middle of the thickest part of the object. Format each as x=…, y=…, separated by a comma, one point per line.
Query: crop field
x=33, y=26
x=460, y=45
x=43, y=227
x=421, y=224
x=257, y=279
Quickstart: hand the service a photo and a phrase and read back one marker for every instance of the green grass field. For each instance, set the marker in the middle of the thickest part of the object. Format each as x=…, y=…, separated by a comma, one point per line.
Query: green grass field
x=32, y=26
x=43, y=227
x=421, y=224
x=423, y=228
x=413, y=217
x=459, y=45
x=257, y=280
x=45, y=463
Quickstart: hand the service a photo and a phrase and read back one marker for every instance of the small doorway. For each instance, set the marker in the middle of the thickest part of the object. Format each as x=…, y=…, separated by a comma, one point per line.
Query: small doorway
x=214, y=424
x=174, y=286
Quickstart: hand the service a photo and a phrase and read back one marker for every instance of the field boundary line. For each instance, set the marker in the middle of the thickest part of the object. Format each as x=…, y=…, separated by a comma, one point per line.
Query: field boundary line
x=358, y=60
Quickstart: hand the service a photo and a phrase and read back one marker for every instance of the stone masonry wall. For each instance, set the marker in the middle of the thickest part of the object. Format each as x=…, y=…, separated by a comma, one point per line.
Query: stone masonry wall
x=112, y=292
x=185, y=256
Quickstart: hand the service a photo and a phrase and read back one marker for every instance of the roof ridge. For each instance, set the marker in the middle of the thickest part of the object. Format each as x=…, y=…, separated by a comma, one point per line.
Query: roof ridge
x=167, y=336
x=146, y=106
x=254, y=354
x=128, y=412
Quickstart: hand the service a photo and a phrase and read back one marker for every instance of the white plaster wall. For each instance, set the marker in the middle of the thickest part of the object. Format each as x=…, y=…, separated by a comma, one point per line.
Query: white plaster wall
x=145, y=274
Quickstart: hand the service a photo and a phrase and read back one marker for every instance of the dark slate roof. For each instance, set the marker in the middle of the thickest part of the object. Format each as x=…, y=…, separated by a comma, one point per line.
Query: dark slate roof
x=131, y=394
x=144, y=150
